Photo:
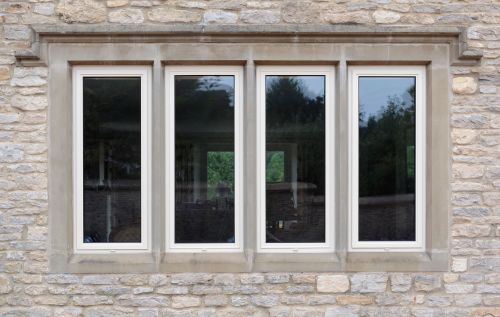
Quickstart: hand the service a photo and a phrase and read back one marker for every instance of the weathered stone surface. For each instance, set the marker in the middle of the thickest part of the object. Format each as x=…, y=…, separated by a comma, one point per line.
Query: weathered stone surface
x=165, y=15
x=185, y=301
x=459, y=288
x=470, y=230
x=347, y=17
x=126, y=16
x=464, y=85
x=5, y=284
x=143, y=300
x=333, y=283
x=386, y=17
x=220, y=17
x=459, y=265
x=172, y=290
x=16, y=32
x=400, y=282
x=191, y=278
x=116, y=3
x=4, y=72
x=467, y=171
x=464, y=136
x=368, y=282
x=29, y=103
x=265, y=300
x=100, y=279
x=277, y=278
x=11, y=153
x=469, y=121
x=81, y=11
x=299, y=12
x=252, y=278
x=28, y=81
x=260, y=16
x=44, y=8
x=427, y=282
x=354, y=300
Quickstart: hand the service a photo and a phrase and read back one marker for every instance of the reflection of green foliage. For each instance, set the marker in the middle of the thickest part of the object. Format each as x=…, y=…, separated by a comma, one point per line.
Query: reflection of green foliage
x=275, y=166
x=294, y=117
x=220, y=171
x=387, y=149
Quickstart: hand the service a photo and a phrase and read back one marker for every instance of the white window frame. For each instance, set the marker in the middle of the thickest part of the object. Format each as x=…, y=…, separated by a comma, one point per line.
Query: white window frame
x=203, y=70
x=419, y=73
x=294, y=70
x=144, y=72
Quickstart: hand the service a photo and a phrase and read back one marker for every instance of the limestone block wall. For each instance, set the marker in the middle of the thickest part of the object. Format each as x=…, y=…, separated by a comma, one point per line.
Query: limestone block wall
x=471, y=287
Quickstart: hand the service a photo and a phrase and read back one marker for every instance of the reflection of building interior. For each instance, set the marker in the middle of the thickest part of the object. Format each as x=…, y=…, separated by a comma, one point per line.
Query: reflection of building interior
x=387, y=218
x=112, y=203
x=295, y=208
x=204, y=208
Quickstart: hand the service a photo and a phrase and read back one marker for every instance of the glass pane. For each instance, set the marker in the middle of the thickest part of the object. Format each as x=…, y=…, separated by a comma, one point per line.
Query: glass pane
x=204, y=159
x=112, y=159
x=295, y=159
x=387, y=158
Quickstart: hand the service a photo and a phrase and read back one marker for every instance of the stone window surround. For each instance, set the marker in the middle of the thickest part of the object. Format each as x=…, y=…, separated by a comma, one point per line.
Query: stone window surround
x=60, y=49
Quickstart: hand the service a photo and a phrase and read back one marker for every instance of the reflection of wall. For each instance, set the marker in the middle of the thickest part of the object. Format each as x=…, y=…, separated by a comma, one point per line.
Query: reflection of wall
x=107, y=212
x=387, y=218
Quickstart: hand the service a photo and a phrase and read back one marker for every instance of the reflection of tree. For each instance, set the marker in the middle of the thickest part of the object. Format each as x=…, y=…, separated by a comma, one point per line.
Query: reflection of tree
x=204, y=115
x=287, y=104
x=112, y=115
x=387, y=148
x=220, y=171
x=202, y=100
x=275, y=166
x=294, y=117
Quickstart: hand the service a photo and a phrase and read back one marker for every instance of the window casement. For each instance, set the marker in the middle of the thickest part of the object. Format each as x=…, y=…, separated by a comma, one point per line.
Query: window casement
x=295, y=159
x=204, y=158
x=305, y=151
x=387, y=153
x=111, y=148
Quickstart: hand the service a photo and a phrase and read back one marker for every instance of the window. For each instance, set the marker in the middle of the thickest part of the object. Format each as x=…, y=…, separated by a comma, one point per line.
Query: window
x=204, y=142
x=295, y=146
x=388, y=150
x=247, y=159
x=111, y=158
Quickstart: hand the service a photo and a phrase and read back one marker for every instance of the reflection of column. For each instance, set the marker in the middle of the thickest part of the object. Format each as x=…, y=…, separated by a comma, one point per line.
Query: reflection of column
x=108, y=216
x=101, y=162
x=196, y=173
x=294, y=163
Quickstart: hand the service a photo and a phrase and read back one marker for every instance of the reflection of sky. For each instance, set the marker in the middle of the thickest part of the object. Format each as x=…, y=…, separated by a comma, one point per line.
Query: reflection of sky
x=374, y=92
x=213, y=83
x=314, y=86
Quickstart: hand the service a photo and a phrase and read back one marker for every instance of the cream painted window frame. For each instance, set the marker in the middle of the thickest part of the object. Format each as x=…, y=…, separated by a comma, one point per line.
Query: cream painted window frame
x=419, y=73
x=328, y=72
x=79, y=73
x=203, y=70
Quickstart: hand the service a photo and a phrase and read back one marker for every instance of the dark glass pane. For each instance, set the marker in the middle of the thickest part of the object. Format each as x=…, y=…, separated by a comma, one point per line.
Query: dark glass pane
x=112, y=159
x=295, y=160
x=204, y=159
x=387, y=158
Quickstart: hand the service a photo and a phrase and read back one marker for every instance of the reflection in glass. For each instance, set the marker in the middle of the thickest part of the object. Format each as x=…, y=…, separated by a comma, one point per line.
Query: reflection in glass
x=295, y=159
x=204, y=159
x=112, y=159
x=387, y=158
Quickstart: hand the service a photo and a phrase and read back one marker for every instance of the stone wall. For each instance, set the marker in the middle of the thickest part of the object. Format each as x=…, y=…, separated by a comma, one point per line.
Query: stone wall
x=471, y=287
